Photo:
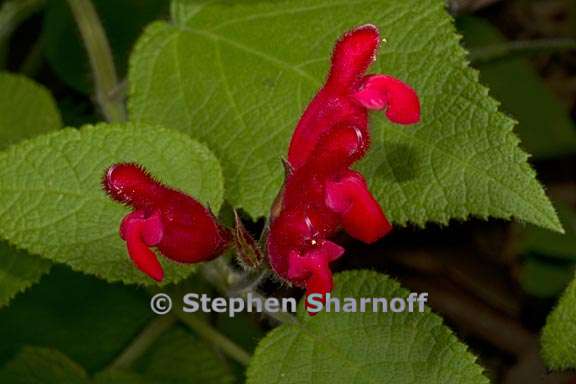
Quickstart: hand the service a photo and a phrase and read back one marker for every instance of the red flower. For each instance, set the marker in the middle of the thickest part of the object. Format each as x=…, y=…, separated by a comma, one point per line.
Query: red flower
x=321, y=195
x=177, y=225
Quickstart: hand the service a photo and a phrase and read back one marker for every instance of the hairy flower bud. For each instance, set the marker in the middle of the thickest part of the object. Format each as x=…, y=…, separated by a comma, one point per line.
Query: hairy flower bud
x=176, y=224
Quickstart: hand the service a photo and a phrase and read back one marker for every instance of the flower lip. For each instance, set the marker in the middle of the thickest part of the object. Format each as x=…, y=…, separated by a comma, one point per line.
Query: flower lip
x=398, y=100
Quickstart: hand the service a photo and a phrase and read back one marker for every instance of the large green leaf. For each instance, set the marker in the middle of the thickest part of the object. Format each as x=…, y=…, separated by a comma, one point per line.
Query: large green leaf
x=559, y=334
x=557, y=245
x=120, y=377
x=85, y=318
x=52, y=203
x=42, y=366
x=18, y=271
x=364, y=347
x=238, y=76
x=26, y=110
x=177, y=358
x=181, y=358
x=544, y=126
x=544, y=279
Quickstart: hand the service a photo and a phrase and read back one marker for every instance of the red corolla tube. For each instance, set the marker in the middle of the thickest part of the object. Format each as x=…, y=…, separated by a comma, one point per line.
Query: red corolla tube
x=321, y=194
x=176, y=224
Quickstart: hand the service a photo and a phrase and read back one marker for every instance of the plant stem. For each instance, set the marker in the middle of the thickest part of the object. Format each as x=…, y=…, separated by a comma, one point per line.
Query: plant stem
x=460, y=7
x=33, y=61
x=233, y=284
x=101, y=61
x=521, y=47
x=208, y=333
x=142, y=342
x=12, y=13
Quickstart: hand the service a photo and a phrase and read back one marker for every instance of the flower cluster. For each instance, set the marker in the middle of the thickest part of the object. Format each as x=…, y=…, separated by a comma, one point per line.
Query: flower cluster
x=321, y=194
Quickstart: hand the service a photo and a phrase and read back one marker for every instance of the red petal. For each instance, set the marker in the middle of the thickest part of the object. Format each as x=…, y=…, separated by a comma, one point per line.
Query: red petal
x=130, y=184
x=353, y=53
x=133, y=230
x=338, y=148
x=152, y=229
x=361, y=214
x=314, y=267
x=400, y=102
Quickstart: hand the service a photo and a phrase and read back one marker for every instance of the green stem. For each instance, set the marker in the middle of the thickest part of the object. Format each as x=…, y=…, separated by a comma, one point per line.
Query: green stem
x=232, y=284
x=33, y=61
x=12, y=13
x=522, y=47
x=101, y=62
x=142, y=342
x=208, y=333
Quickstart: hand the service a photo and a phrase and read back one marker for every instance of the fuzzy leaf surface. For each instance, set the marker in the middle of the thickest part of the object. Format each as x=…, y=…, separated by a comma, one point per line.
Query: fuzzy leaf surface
x=559, y=334
x=52, y=203
x=26, y=109
x=364, y=347
x=239, y=75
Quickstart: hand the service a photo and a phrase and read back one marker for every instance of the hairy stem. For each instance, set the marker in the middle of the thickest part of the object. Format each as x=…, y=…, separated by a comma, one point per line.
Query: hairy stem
x=210, y=334
x=521, y=47
x=101, y=61
x=460, y=7
x=142, y=342
x=233, y=284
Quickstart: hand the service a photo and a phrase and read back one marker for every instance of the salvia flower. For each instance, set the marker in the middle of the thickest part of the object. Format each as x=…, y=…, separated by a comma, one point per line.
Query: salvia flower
x=176, y=224
x=321, y=194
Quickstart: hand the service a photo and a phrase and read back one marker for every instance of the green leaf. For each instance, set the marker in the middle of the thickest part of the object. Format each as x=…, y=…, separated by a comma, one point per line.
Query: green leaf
x=183, y=10
x=364, y=347
x=544, y=125
x=544, y=279
x=552, y=244
x=559, y=334
x=42, y=366
x=176, y=358
x=26, y=110
x=83, y=317
x=18, y=271
x=181, y=358
x=52, y=203
x=239, y=76
x=123, y=21
x=119, y=377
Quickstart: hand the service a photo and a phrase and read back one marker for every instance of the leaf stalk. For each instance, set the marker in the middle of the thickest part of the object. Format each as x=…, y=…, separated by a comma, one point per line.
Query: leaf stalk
x=208, y=333
x=101, y=60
